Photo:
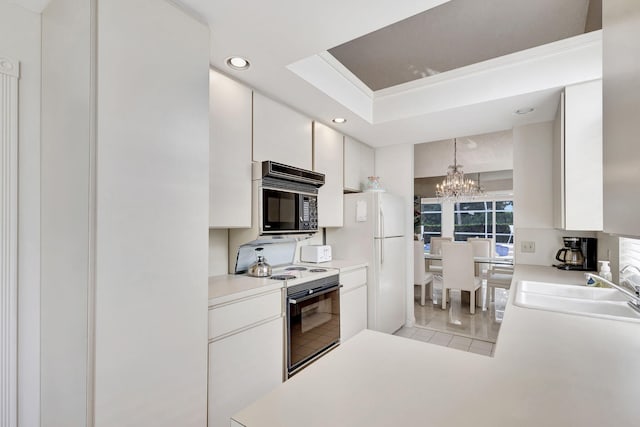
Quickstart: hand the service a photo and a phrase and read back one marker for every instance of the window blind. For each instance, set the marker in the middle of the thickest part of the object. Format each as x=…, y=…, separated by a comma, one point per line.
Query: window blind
x=629, y=252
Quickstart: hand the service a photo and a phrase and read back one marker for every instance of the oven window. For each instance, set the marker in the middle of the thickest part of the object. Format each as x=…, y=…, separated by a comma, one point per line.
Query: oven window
x=314, y=325
x=279, y=209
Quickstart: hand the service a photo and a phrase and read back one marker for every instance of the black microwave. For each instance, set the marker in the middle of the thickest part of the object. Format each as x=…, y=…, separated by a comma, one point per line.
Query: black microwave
x=288, y=199
x=286, y=212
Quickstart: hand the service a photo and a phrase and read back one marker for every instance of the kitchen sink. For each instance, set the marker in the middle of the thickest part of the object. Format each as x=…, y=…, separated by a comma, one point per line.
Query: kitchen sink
x=574, y=299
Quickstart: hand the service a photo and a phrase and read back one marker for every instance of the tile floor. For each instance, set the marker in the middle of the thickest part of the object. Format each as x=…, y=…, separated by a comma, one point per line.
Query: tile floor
x=456, y=327
x=447, y=340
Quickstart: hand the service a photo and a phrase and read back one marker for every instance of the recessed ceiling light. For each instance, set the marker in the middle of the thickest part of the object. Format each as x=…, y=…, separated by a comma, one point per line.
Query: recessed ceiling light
x=237, y=63
x=339, y=120
x=523, y=111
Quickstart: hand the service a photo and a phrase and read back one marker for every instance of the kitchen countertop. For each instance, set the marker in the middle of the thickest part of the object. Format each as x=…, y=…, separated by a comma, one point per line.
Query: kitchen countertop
x=229, y=287
x=548, y=369
x=340, y=264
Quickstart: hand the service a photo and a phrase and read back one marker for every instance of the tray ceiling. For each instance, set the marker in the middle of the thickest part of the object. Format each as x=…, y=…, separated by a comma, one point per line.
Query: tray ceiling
x=422, y=45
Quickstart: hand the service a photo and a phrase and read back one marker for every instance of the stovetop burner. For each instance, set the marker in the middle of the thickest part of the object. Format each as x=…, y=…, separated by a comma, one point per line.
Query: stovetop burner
x=318, y=270
x=281, y=276
x=296, y=268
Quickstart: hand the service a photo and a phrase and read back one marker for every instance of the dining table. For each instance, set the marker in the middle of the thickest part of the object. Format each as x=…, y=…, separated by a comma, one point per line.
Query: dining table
x=478, y=260
x=505, y=262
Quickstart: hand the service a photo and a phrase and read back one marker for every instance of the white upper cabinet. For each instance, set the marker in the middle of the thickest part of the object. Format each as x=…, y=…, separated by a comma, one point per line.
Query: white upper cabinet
x=328, y=159
x=578, y=165
x=280, y=134
x=621, y=69
x=230, y=153
x=358, y=164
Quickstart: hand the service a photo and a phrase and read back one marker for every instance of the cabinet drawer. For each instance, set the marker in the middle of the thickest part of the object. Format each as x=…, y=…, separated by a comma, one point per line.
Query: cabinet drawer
x=226, y=318
x=353, y=279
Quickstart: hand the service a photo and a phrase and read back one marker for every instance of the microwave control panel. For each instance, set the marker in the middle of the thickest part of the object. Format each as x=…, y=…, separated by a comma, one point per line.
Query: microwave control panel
x=309, y=214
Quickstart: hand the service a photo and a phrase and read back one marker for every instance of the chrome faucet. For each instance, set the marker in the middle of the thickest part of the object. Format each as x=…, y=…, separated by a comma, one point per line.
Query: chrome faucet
x=634, y=300
x=627, y=281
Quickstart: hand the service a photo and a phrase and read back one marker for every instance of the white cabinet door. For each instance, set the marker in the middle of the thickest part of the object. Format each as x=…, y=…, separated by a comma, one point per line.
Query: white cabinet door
x=230, y=153
x=328, y=159
x=244, y=367
x=621, y=69
x=358, y=164
x=280, y=134
x=353, y=312
x=578, y=162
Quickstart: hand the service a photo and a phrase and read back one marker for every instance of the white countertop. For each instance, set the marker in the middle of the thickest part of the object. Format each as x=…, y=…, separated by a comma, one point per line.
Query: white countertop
x=549, y=369
x=229, y=287
x=340, y=264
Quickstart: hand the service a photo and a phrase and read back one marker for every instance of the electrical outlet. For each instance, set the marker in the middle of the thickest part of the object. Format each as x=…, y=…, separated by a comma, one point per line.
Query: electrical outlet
x=529, y=247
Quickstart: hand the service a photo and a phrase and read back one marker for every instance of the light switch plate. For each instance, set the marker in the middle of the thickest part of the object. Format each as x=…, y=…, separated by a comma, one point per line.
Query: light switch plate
x=528, y=247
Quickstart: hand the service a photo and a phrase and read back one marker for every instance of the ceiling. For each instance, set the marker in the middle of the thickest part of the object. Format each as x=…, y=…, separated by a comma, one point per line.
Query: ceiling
x=421, y=46
x=287, y=43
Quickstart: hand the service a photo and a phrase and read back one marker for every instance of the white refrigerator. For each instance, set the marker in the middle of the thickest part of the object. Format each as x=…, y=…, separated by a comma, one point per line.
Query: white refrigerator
x=374, y=230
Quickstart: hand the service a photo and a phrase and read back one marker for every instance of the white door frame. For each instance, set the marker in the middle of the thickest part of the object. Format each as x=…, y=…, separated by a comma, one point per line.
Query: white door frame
x=9, y=74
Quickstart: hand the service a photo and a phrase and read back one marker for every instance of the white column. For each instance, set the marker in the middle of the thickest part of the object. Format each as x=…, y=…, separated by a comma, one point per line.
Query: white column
x=9, y=74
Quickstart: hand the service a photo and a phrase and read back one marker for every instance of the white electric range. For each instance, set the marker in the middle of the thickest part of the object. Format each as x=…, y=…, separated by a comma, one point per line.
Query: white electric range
x=280, y=253
x=312, y=300
x=296, y=274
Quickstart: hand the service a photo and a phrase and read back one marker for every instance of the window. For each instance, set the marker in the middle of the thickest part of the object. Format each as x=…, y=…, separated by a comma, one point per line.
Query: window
x=430, y=222
x=504, y=221
x=473, y=219
x=629, y=252
x=485, y=219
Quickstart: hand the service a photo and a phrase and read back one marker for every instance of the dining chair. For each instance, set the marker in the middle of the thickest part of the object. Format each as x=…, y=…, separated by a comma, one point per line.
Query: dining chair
x=458, y=271
x=421, y=277
x=435, y=248
x=482, y=248
x=498, y=276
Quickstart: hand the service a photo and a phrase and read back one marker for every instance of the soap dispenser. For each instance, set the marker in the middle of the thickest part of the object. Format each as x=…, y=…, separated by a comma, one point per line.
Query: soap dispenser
x=605, y=270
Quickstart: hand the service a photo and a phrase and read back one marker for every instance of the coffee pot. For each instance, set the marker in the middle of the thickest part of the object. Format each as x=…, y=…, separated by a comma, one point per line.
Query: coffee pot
x=570, y=256
x=578, y=253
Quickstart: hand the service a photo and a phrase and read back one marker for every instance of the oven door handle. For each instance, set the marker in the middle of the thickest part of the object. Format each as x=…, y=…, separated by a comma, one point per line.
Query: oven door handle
x=313, y=294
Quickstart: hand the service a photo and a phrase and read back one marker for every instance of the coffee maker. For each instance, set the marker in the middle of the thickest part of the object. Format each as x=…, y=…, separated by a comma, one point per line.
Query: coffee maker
x=578, y=253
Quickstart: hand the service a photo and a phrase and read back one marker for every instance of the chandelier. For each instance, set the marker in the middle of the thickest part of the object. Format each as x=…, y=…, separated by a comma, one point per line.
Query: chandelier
x=455, y=186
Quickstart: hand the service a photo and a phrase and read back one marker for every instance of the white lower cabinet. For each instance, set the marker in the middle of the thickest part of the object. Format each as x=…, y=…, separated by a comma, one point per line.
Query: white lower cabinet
x=246, y=363
x=353, y=303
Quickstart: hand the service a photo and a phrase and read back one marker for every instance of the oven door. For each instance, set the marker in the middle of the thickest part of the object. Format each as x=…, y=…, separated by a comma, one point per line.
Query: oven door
x=280, y=211
x=313, y=325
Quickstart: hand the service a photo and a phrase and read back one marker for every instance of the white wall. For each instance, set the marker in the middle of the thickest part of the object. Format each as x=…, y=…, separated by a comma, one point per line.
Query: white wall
x=20, y=40
x=477, y=153
x=394, y=166
x=218, y=251
x=532, y=182
x=533, y=196
x=532, y=190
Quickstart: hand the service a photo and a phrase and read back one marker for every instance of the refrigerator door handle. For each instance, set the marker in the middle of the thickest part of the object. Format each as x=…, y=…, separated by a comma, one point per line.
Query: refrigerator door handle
x=381, y=237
